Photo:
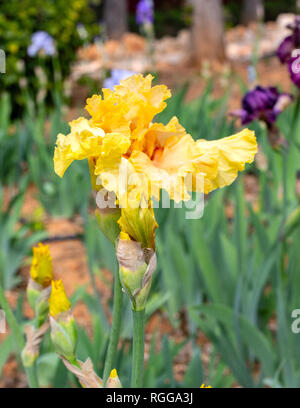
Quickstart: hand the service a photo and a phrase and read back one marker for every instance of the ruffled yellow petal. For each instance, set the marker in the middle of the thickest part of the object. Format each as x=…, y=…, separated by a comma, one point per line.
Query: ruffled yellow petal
x=136, y=158
x=109, y=113
x=82, y=142
x=114, y=146
x=150, y=176
x=41, y=270
x=109, y=164
x=150, y=180
x=174, y=163
x=163, y=132
x=130, y=108
x=230, y=154
x=58, y=301
x=189, y=168
x=183, y=165
x=156, y=135
x=126, y=183
x=143, y=100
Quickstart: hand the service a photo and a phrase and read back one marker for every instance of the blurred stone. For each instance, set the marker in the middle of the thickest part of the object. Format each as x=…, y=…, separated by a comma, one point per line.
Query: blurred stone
x=184, y=38
x=134, y=43
x=132, y=53
x=112, y=47
x=92, y=52
x=241, y=41
x=173, y=51
x=92, y=69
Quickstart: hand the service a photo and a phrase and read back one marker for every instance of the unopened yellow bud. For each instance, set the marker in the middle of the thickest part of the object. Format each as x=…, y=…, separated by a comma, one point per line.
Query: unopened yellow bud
x=139, y=224
x=113, y=373
x=136, y=266
x=58, y=301
x=62, y=323
x=41, y=267
x=113, y=380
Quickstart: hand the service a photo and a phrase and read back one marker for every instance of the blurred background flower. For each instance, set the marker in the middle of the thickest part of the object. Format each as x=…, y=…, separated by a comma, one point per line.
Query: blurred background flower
x=290, y=43
x=294, y=69
x=30, y=28
x=262, y=103
x=41, y=42
x=116, y=76
x=145, y=12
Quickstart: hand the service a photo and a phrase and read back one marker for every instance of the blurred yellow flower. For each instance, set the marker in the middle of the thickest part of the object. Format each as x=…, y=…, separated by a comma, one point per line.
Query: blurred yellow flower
x=13, y=48
x=121, y=138
x=58, y=301
x=41, y=270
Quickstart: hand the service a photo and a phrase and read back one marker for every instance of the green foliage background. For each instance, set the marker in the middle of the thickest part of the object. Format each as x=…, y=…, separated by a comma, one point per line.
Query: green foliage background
x=18, y=21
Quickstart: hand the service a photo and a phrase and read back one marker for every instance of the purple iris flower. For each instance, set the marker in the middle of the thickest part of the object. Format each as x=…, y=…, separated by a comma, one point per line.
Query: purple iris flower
x=144, y=12
x=41, y=41
x=117, y=75
x=262, y=103
x=294, y=68
x=290, y=43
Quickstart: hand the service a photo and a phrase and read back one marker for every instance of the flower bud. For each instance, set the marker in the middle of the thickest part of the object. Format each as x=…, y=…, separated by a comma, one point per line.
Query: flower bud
x=41, y=270
x=38, y=289
x=140, y=225
x=63, y=328
x=113, y=380
x=136, y=266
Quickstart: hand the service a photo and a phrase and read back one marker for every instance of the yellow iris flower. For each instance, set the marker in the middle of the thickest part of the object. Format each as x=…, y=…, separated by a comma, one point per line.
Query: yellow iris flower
x=120, y=136
x=58, y=301
x=41, y=270
x=120, y=139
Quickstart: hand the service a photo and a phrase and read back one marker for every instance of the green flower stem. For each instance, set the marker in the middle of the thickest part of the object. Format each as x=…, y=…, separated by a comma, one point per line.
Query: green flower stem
x=285, y=157
x=285, y=182
x=31, y=376
x=18, y=337
x=138, y=348
x=295, y=118
x=115, y=328
x=103, y=318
